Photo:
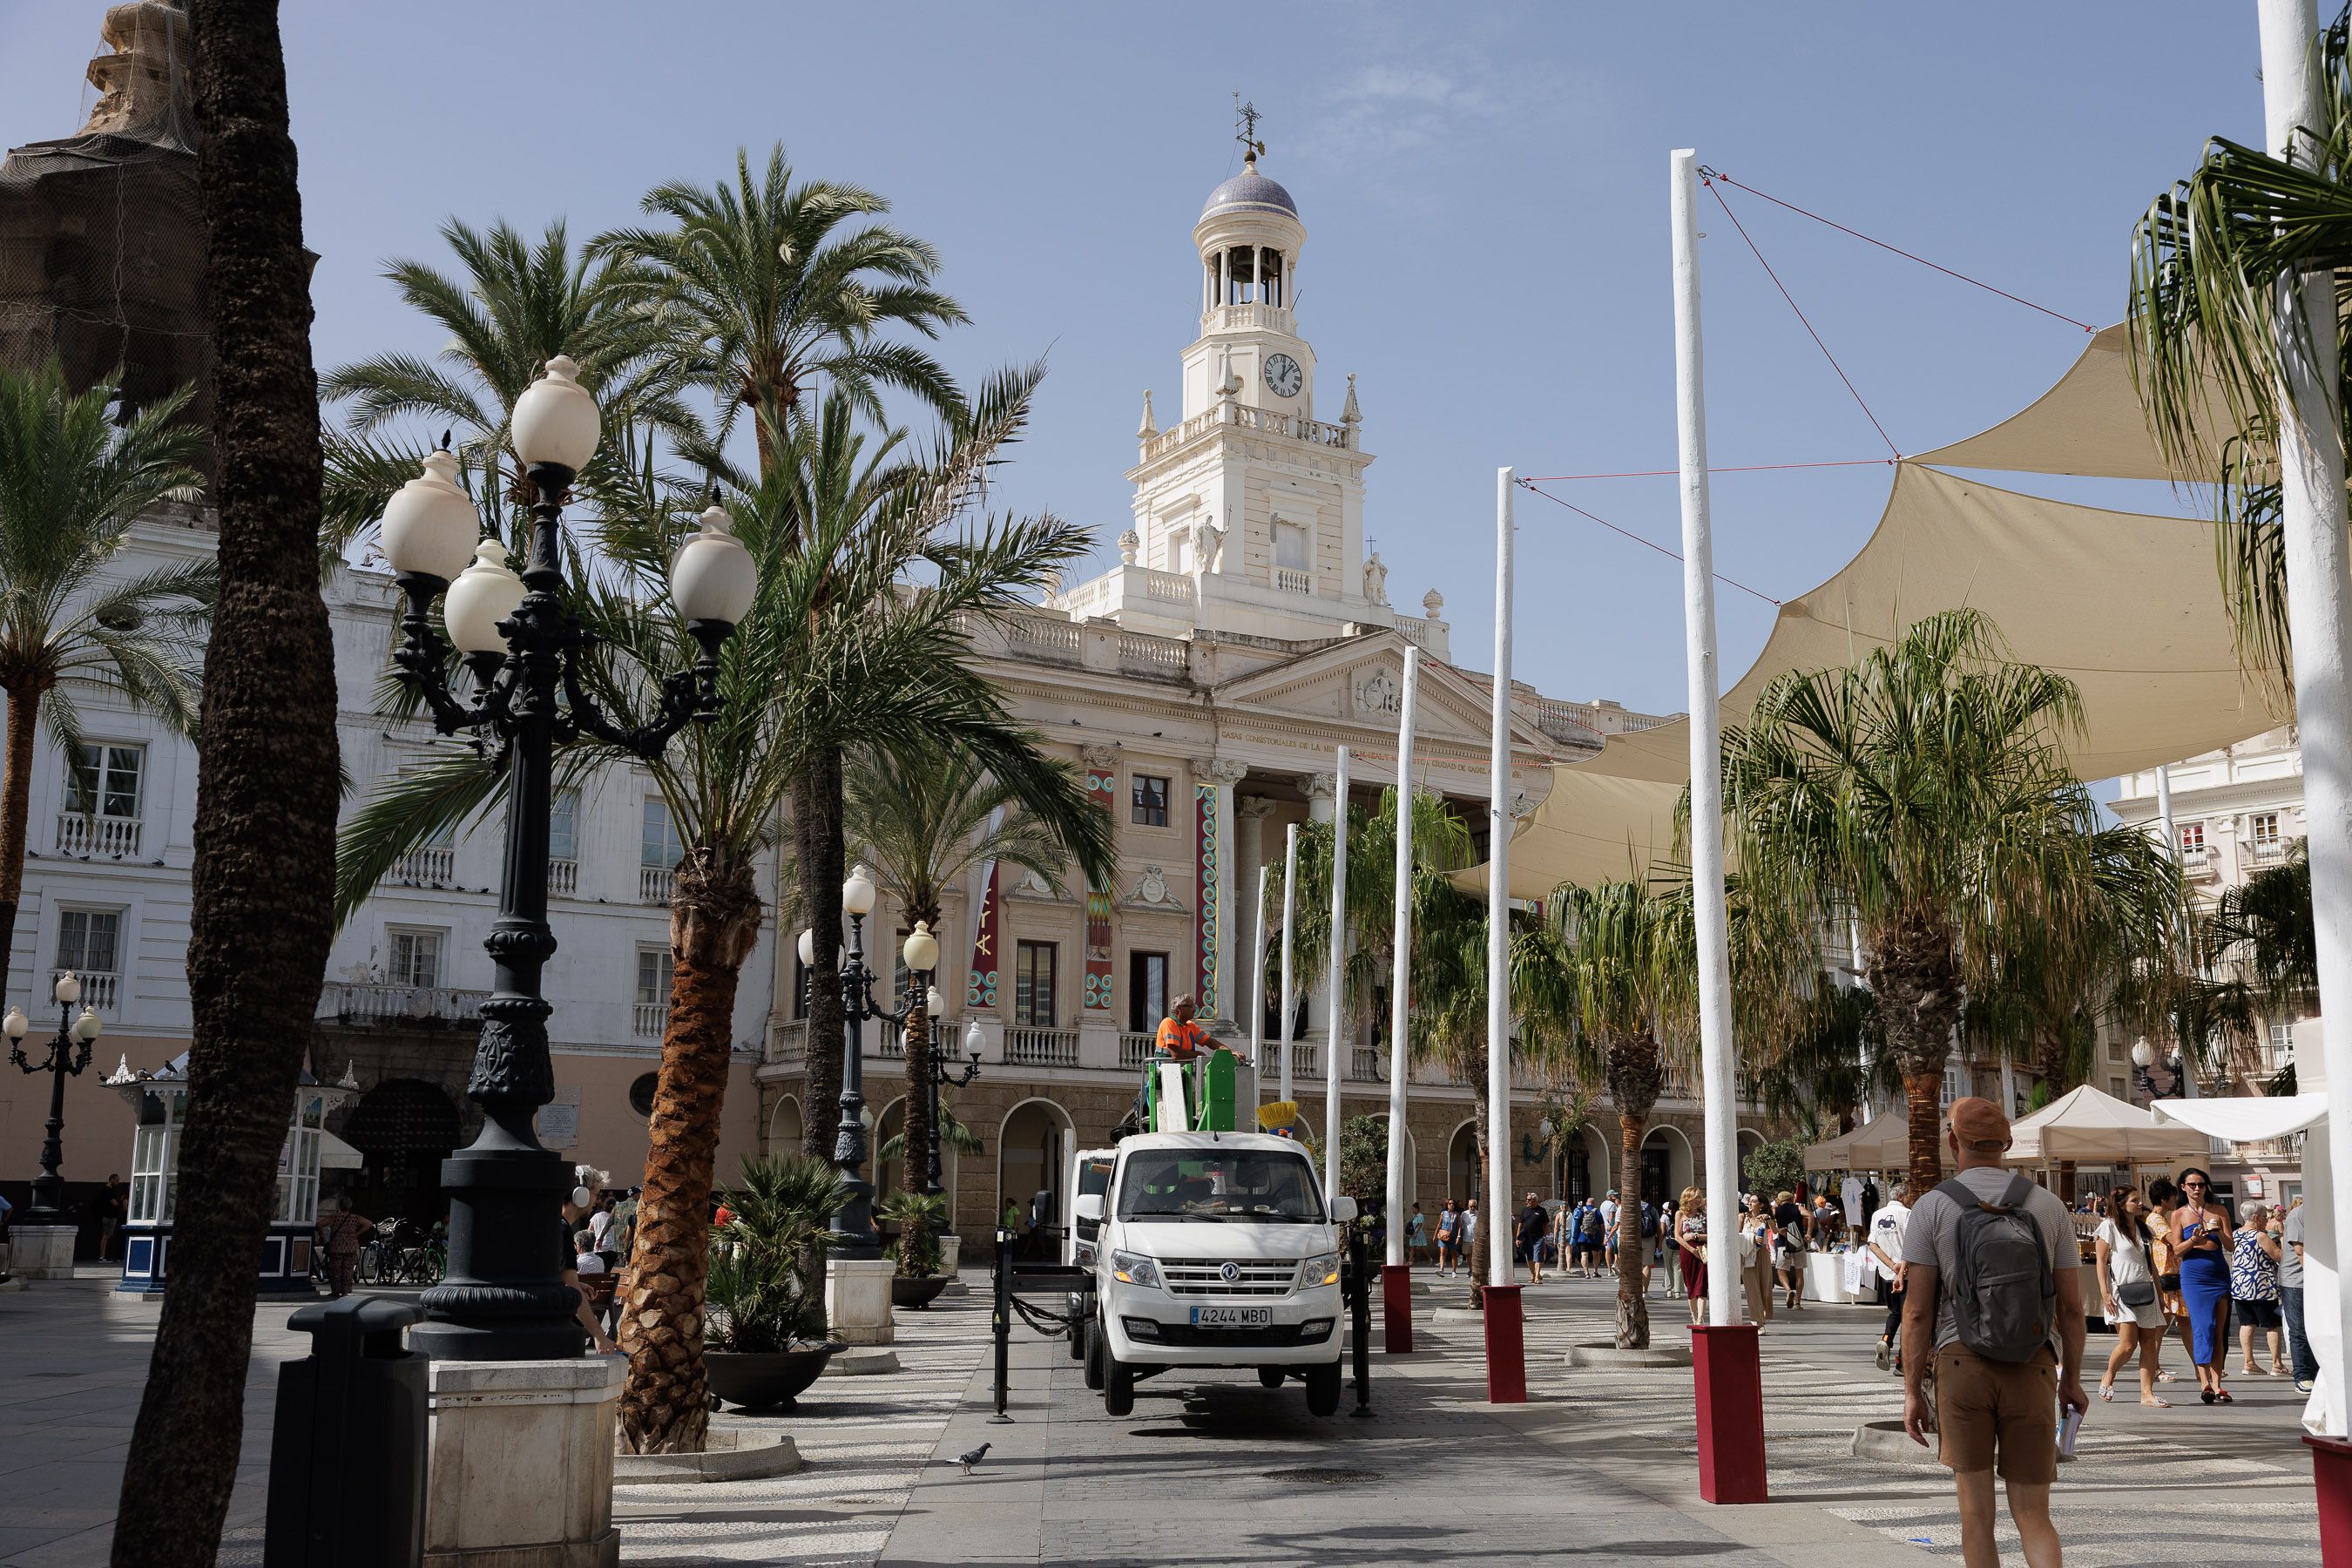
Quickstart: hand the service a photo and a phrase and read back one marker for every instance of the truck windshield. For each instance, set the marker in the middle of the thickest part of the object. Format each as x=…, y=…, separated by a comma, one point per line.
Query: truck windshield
x=1220, y=1185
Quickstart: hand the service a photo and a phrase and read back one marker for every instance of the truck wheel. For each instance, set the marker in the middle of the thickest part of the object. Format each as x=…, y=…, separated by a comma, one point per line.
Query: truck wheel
x=1271, y=1376
x=1323, y=1390
x=1119, y=1386
x=1094, y=1355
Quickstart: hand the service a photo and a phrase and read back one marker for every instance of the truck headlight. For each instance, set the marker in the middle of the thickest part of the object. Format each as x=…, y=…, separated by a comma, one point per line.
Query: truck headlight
x=1323, y=1269
x=1134, y=1269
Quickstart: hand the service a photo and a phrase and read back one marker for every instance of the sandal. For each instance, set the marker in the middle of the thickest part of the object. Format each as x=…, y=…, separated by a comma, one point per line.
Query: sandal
x=2206, y=1395
x=2106, y=1394
x=2158, y=1404
x=2223, y=1397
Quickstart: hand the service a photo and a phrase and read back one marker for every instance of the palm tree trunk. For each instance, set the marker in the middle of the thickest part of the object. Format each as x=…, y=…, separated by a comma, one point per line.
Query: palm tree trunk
x=1922, y=1097
x=714, y=918
x=816, y=823
x=15, y=810
x=263, y=881
x=1633, y=1303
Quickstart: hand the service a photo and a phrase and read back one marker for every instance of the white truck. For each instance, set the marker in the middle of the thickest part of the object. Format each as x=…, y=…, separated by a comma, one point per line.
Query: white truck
x=1215, y=1249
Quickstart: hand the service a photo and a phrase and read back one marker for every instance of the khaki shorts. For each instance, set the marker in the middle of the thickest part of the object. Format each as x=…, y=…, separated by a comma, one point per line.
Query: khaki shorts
x=1983, y=1406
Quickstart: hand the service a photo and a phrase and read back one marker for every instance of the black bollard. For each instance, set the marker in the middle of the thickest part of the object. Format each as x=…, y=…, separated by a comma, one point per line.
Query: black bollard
x=1003, y=1325
x=1359, y=1321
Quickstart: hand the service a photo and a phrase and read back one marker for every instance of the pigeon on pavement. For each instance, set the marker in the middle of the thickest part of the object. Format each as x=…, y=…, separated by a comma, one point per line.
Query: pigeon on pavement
x=969, y=1461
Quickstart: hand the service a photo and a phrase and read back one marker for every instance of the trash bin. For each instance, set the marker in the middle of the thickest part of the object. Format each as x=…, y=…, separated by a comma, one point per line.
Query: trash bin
x=347, y=1450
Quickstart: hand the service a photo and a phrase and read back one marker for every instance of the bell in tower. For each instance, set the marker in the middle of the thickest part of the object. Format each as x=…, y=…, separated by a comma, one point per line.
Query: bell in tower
x=1249, y=238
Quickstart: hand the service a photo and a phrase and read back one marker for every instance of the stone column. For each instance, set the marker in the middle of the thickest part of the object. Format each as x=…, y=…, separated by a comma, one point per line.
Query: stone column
x=1219, y=775
x=1322, y=805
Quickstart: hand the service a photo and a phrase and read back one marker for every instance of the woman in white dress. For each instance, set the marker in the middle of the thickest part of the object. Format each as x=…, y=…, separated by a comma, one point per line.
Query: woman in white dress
x=2127, y=1286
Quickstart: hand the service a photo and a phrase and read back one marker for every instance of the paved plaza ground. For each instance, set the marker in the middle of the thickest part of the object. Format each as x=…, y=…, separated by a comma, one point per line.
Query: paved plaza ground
x=1599, y=1465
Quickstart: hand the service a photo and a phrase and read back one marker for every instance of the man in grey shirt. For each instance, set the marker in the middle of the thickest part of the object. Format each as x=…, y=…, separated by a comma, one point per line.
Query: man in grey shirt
x=2290, y=1288
x=1990, y=1414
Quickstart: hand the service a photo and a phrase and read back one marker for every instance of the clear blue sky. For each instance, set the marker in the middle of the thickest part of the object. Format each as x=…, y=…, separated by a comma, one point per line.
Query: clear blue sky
x=1486, y=200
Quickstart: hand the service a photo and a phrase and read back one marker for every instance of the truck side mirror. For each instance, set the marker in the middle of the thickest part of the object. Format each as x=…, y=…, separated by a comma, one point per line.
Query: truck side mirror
x=1091, y=1207
x=1343, y=1209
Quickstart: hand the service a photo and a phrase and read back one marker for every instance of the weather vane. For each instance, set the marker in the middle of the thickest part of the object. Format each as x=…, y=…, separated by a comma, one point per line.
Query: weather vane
x=1246, y=116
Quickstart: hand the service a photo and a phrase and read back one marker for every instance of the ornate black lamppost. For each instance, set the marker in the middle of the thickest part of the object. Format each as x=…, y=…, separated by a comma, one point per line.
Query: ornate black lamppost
x=68, y=1054
x=853, y=1223
x=2143, y=1059
x=503, y=1298
x=974, y=1043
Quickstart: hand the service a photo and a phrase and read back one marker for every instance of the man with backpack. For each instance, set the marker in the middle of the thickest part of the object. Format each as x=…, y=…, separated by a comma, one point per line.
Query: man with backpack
x=1993, y=1318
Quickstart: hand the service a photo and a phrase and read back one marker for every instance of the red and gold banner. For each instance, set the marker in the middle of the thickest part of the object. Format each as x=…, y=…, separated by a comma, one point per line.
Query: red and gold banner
x=979, y=990
x=1102, y=787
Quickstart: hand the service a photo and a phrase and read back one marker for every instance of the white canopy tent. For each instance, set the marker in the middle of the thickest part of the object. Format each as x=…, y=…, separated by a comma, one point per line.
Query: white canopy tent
x=1882, y=1144
x=2090, y=1127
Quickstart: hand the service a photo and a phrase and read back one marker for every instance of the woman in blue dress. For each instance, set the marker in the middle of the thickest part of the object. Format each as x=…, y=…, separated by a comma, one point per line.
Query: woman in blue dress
x=2202, y=1242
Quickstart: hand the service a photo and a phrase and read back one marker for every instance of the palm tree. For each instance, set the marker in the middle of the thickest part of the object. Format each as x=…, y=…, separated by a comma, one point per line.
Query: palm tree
x=837, y=647
x=72, y=484
x=2259, y=952
x=761, y=289
x=2204, y=334
x=921, y=822
x=1922, y=792
x=263, y=913
x=1629, y=961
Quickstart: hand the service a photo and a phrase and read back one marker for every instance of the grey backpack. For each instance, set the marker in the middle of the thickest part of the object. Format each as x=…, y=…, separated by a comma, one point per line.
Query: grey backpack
x=2002, y=1291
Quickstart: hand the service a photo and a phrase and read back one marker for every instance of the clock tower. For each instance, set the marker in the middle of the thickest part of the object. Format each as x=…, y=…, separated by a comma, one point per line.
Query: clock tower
x=1245, y=491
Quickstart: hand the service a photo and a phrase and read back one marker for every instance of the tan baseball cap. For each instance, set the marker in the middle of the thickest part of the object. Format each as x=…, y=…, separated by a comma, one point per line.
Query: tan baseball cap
x=1978, y=1124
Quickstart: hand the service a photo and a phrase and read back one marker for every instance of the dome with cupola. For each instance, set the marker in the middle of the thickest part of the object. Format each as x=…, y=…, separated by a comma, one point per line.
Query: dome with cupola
x=1249, y=191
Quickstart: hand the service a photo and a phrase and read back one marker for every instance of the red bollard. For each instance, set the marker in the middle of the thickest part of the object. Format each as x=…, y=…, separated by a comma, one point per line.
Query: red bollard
x=2331, y=1468
x=1506, y=1348
x=1396, y=1309
x=1729, y=1377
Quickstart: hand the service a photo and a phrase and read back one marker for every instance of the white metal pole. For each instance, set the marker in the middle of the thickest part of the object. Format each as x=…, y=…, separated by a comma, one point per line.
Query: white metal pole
x=1334, y=1036
x=2319, y=607
x=1400, y=993
x=1707, y=764
x=2172, y=842
x=1289, y=919
x=1257, y=990
x=1497, y=1222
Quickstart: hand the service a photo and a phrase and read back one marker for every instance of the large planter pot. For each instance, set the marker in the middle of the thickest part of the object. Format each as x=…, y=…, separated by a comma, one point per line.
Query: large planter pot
x=917, y=1291
x=767, y=1380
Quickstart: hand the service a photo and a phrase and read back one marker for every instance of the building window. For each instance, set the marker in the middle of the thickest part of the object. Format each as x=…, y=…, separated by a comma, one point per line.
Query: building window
x=1289, y=545
x=659, y=845
x=1147, y=991
x=2192, y=842
x=2282, y=1044
x=2264, y=825
x=88, y=943
x=650, y=1018
x=415, y=958
x=1033, y=986
x=1150, y=801
x=564, y=825
x=104, y=781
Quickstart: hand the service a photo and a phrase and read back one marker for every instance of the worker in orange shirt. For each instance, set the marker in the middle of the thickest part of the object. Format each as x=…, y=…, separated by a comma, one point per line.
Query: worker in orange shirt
x=1183, y=1039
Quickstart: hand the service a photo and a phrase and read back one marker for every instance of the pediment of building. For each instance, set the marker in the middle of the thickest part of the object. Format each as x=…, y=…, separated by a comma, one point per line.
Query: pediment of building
x=1360, y=680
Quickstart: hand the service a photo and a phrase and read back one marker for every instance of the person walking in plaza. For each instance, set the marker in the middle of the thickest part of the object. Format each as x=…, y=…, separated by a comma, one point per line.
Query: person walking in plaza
x=1609, y=1235
x=1756, y=1260
x=340, y=1233
x=1994, y=1308
x=1888, y=1222
x=2202, y=1242
x=1589, y=1233
x=1417, y=1237
x=2290, y=1281
x=2253, y=1289
x=112, y=1203
x=1533, y=1221
x=1449, y=1238
x=2127, y=1286
x=2163, y=1197
x=1790, y=1226
x=1690, y=1236
x=1470, y=1239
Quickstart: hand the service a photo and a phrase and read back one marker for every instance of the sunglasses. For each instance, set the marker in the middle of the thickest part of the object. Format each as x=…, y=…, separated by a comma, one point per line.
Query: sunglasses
x=2198, y=1185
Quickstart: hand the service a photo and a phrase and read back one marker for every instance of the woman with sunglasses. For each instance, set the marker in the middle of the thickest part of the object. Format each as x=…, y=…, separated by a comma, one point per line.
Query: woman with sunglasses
x=2201, y=1240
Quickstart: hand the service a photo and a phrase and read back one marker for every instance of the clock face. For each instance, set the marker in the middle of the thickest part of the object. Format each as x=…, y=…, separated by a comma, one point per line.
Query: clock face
x=1282, y=374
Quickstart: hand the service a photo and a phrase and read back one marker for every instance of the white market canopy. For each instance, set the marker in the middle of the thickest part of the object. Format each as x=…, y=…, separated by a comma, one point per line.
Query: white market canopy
x=1882, y=1144
x=2089, y=1126
x=2123, y=604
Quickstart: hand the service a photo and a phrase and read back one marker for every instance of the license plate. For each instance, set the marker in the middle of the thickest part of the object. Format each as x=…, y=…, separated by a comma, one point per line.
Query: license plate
x=1232, y=1317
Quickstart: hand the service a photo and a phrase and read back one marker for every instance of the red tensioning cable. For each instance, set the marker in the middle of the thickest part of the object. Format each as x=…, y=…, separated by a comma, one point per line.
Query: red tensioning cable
x=1973, y=282
x=1732, y=582
x=1808, y=325
x=1736, y=469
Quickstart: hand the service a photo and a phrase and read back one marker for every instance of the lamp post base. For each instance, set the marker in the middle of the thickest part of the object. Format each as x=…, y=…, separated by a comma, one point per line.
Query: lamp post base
x=1506, y=1348
x=2331, y=1469
x=857, y=1299
x=42, y=1251
x=1728, y=1374
x=504, y=1298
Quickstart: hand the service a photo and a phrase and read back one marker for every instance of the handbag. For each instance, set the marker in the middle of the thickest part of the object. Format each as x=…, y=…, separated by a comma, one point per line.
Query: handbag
x=2137, y=1292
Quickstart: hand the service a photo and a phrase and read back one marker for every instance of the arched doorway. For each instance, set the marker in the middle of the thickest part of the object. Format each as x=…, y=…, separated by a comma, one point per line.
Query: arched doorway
x=403, y=1127
x=1749, y=1142
x=1667, y=1166
x=1465, y=1175
x=785, y=1127
x=1584, y=1172
x=1033, y=1145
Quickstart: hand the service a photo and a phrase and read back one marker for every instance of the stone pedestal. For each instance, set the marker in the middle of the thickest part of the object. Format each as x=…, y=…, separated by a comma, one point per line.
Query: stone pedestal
x=857, y=1299
x=950, y=1253
x=519, y=1472
x=42, y=1251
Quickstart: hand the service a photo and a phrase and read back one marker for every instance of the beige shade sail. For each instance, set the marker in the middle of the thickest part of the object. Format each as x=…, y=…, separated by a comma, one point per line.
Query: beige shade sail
x=2123, y=604
x=1882, y=1144
x=2087, y=1125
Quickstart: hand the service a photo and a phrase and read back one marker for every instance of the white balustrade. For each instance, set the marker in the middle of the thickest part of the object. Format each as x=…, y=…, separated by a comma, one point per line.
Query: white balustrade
x=1025, y=1046
x=1135, y=1049
x=788, y=1041
x=650, y=1020
x=1165, y=656
x=378, y=1003
x=654, y=883
x=430, y=867
x=1291, y=580
x=563, y=878
x=116, y=836
x=99, y=988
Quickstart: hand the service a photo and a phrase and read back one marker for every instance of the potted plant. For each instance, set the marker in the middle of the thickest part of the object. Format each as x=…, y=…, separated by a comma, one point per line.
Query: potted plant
x=764, y=1319
x=916, y=1248
x=956, y=1137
